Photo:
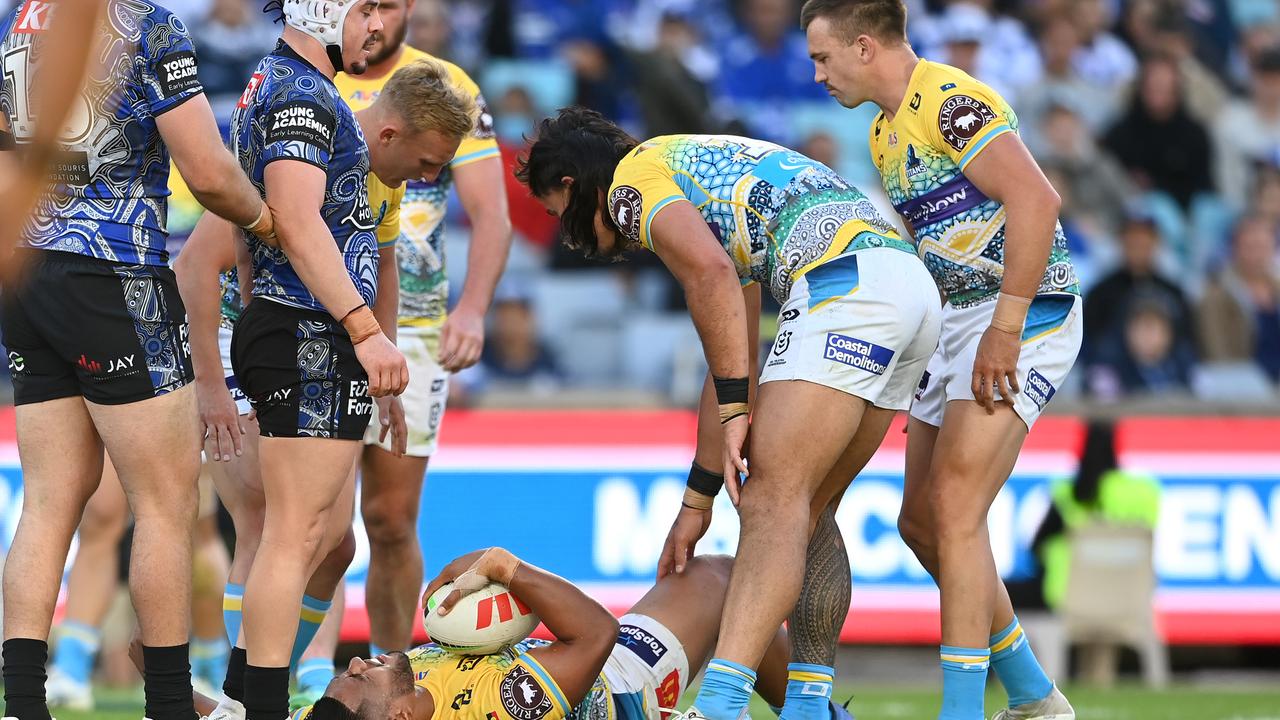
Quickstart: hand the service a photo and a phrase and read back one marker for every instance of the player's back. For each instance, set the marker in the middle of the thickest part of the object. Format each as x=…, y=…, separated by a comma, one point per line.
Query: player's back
x=111, y=177
x=292, y=111
x=776, y=211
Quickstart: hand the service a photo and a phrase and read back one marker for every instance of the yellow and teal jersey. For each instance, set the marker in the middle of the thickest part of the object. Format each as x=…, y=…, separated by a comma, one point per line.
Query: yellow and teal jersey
x=424, y=287
x=777, y=212
x=946, y=120
x=509, y=685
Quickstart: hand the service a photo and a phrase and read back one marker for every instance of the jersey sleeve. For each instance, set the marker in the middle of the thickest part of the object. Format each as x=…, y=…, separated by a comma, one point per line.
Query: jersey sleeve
x=523, y=691
x=386, y=201
x=299, y=126
x=482, y=142
x=969, y=116
x=169, y=69
x=642, y=185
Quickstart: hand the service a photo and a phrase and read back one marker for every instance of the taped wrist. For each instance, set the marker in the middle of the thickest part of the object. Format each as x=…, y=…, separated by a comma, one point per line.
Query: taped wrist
x=703, y=481
x=732, y=397
x=254, y=226
x=361, y=324
x=1011, y=313
x=499, y=565
x=695, y=500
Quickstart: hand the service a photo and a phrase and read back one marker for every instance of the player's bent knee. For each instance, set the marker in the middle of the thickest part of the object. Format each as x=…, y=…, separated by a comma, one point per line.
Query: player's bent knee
x=709, y=570
x=388, y=527
x=917, y=535
x=342, y=553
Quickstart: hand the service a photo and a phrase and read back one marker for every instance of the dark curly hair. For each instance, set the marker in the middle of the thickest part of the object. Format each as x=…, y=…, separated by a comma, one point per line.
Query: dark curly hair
x=584, y=145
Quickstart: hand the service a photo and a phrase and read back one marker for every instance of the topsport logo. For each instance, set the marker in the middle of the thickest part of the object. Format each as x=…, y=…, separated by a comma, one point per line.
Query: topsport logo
x=857, y=353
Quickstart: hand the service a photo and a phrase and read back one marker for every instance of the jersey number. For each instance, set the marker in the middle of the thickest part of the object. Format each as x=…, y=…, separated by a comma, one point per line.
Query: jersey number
x=16, y=66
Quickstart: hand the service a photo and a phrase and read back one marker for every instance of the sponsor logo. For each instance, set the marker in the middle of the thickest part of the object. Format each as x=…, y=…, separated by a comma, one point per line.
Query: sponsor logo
x=280, y=395
x=16, y=363
x=915, y=166
x=857, y=353
x=522, y=697
x=879, y=122
x=960, y=119
x=669, y=692
x=893, y=139
x=955, y=197
x=358, y=400
x=1039, y=389
x=948, y=86
x=178, y=73
x=302, y=121
x=643, y=644
x=924, y=385
x=93, y=367
x=33, y=17
x=624, y=207
x=783, y=343
x=437, y=385
x=788, y=315
x=120, y=364
x=1059, y=275
x=506, y=605
x=250, y=90
x=433, y=421
x=915, y=102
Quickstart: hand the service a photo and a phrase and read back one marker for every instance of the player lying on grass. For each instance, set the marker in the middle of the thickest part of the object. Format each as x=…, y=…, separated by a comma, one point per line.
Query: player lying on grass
x=598, y=668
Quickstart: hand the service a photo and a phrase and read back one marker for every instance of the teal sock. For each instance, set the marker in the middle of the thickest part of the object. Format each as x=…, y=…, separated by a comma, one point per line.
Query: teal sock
x=313, y=612
x=209, y=660
x=964, y=682
x=1016, y=666
x=314, y=675
x=232, y=610
x=76, y=649
x=808, y=692
x=726, y=690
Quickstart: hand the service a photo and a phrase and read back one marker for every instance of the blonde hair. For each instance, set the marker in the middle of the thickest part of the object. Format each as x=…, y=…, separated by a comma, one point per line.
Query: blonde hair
x=425, y=97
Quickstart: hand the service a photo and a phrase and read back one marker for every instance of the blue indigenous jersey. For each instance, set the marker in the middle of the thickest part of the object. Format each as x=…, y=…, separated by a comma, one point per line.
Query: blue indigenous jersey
x=111, y=176
x=292, y=111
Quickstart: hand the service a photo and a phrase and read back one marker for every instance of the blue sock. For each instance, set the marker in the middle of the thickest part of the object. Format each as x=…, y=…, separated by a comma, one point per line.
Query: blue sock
x=76, y=650
x=726, y=690
x=232, y=612
x=964, y=682
x=1016, y=666
x=314, y=675
x=313, y=612
x=209, y=660
x=808, y=692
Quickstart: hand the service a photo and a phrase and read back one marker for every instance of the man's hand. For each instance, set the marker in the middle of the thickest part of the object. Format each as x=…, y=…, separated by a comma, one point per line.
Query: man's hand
x=265, y=228
x=493, y=565
x=391, y=417
x=221, y=419
x=735, y=440
x=461, y=339
x=996, y=364
x=689, y=527
x=385, y=365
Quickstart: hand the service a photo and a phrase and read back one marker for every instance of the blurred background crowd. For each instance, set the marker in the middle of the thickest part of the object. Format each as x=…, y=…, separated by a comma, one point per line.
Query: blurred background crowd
x=1158, y=121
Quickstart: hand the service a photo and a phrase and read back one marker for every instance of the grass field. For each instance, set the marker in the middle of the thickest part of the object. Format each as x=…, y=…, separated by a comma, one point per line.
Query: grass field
x=1183, y=703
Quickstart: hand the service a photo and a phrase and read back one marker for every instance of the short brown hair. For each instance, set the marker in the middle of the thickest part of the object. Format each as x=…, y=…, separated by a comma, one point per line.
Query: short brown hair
x=885, y=20
x=425, y=97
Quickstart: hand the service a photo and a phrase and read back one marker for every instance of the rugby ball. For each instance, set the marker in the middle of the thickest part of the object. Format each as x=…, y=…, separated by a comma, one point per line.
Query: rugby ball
x=482, y=623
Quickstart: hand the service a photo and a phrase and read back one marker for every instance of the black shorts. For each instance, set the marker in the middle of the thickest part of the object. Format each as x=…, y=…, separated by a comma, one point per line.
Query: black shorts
x=80, y=326
x=299, y=370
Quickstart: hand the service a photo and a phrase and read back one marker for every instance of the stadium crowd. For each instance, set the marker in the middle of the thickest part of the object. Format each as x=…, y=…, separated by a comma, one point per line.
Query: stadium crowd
x=1158, y=122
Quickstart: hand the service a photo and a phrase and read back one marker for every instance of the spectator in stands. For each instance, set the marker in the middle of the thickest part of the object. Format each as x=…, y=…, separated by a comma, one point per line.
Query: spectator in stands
x=515, y=355
x=1102, y=59
x=1265, y=200
x=672, y=88
x=1097, y=105
x=1106, y=307
x=1100, y=190
x=994, y=48
x=232, y=38
x=1173, y=34
x=1150, y=358
x=1157, y=140
x=765, y=66
x=820, y=145
x=429, y=28
x=1240, y=313
x=1249, y=130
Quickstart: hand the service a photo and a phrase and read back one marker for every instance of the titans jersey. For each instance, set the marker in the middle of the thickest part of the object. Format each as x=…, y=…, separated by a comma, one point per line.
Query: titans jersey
x=291, y=111
x=111, y=176
x=510, y=685
x=776, y=212
x=424, y=288
x=946, y=120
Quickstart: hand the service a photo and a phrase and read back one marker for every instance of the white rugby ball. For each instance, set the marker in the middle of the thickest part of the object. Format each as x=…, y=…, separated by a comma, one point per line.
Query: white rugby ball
x=482, y=623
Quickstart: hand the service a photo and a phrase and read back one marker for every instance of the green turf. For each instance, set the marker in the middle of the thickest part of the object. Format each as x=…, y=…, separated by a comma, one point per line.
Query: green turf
x=1125, y=703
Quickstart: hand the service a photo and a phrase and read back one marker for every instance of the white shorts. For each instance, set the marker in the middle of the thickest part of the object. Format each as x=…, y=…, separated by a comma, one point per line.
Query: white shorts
x=647, y=670
x=224, y=347
x=864, y=323
x=425, y=397
x=1050, y=343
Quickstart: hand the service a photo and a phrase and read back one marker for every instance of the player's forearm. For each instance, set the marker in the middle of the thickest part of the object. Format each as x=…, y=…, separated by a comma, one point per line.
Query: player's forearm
x=387, y=307
x=1030, y=221
x=197, y=268
x=486, y=258
x=221, y=186
x=720, y=317
x=569, y=613
x=314, y=256
x=710, y=438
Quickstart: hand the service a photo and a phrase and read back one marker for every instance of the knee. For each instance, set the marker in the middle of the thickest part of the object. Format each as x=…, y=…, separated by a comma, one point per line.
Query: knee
x=389, y=526
x=916, y=529
x=342, y=553
x=709, y=571
x=954, y=513
x=768, y=503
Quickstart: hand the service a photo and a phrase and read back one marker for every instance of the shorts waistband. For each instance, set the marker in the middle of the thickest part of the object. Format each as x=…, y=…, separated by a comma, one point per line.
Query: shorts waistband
x=74, y=258
x=275, y=307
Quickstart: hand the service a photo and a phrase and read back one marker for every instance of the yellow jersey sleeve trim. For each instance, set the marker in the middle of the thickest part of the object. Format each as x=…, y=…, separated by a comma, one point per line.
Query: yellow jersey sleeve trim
x=979, y=143
x=476, y=155
x=645, y=238
x=547, y=682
